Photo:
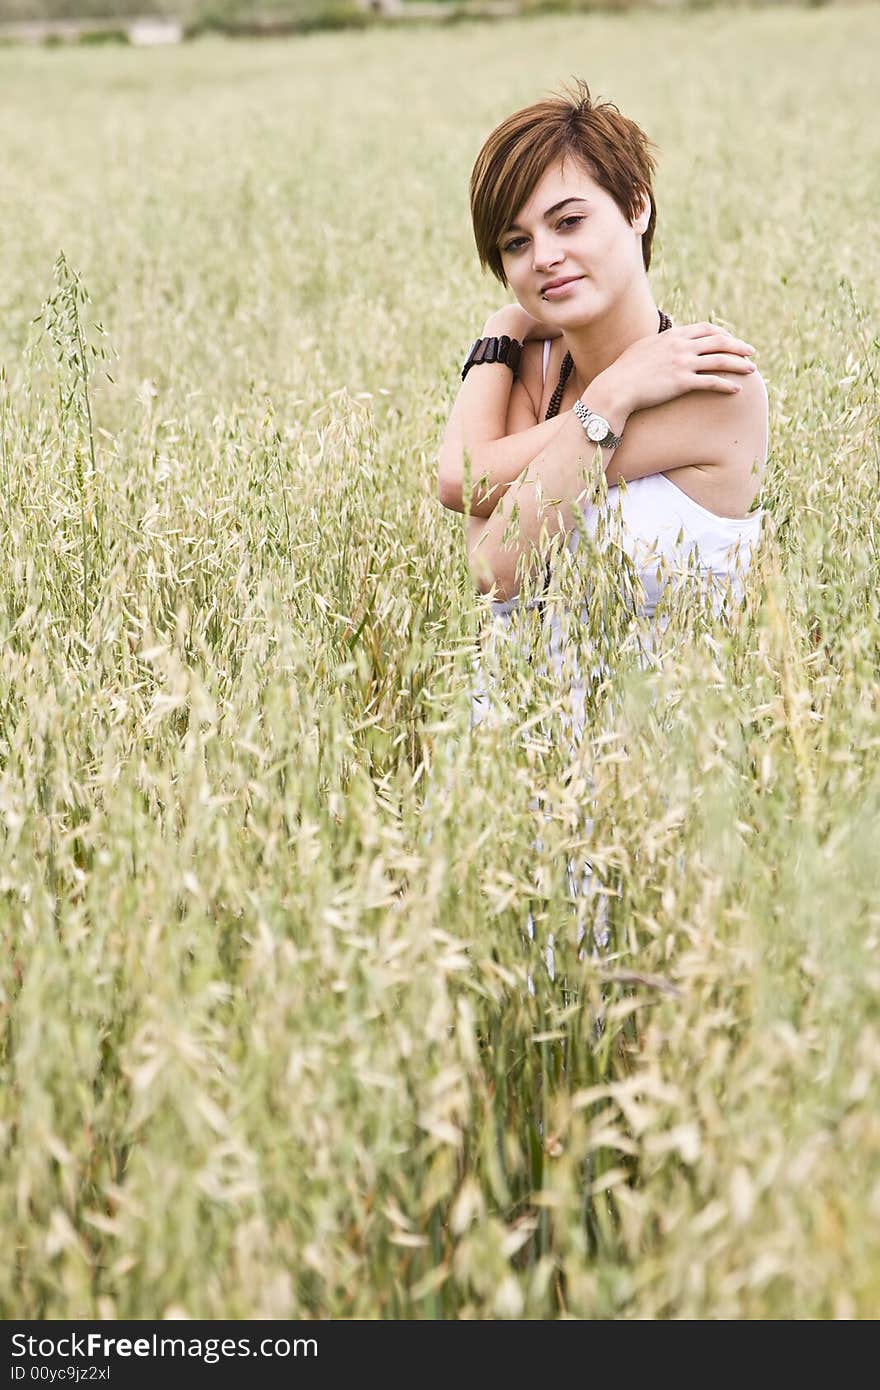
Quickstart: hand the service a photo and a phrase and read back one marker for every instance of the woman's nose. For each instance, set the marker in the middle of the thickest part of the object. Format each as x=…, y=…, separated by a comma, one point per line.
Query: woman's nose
x=545, y=254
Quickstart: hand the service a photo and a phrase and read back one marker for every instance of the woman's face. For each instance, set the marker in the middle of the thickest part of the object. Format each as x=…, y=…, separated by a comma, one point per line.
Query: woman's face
x=571, y=229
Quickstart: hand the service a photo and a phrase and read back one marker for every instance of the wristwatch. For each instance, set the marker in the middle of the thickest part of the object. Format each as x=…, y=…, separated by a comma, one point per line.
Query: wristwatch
x=596, y=427
x=504, y=349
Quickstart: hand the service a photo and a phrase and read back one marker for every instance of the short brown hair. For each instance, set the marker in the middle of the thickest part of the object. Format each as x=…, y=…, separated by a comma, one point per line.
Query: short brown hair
x=615, y=151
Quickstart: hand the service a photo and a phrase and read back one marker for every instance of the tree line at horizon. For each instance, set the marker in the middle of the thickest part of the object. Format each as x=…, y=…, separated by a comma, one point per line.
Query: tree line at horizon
x=243, y=11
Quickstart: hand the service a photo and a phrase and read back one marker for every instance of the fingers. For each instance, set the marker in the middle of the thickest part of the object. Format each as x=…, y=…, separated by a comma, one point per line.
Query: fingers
x=723, y=342
x=700, y=330
x=710, y=338
x=704, y=382
x=724, y=362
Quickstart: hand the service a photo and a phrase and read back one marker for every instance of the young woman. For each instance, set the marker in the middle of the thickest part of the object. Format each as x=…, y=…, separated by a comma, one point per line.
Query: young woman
x=585, y=364
x=564, y=215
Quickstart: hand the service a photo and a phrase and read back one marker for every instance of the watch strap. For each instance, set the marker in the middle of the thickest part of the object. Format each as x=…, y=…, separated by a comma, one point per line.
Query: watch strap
x=610, y=440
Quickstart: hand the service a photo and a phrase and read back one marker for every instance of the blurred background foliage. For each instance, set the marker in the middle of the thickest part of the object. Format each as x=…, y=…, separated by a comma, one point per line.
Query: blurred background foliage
x=189, y=12
x=313, y=13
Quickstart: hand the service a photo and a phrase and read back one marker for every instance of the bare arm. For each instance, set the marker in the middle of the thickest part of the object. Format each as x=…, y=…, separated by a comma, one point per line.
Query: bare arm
x=702, y=428
x=493, y=426
x=493, y=431
x=495, y=461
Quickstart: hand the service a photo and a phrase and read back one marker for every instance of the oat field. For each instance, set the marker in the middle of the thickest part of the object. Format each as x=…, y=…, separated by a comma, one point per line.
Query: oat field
x=275, y=1041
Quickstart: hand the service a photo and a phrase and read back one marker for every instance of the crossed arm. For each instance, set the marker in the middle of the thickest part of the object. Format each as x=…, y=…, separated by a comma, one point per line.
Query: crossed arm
x=493, y=427
x=528, y=480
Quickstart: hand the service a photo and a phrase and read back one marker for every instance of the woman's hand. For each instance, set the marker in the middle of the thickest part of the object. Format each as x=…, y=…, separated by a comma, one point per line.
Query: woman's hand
x=517, y=323
x=666, y=365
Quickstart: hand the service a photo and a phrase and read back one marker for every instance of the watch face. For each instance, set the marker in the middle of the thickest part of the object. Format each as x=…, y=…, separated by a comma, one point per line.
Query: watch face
x=597, y=428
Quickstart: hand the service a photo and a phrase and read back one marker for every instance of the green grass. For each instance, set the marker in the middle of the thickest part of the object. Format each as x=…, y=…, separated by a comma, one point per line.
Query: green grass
x=267, y=1045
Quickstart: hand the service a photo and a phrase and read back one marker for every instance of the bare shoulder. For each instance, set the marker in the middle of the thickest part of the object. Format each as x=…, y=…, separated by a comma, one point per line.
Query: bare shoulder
x=747, y=407
x=724, y=451
x=713, y=443
x=711, y=427
x=738, y=423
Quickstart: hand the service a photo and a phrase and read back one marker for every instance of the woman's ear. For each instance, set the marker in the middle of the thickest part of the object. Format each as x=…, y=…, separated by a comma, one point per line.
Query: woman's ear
x=643, y=216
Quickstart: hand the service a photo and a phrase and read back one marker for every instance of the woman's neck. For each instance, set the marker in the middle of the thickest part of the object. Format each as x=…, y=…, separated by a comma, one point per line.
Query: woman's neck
x=600, y=342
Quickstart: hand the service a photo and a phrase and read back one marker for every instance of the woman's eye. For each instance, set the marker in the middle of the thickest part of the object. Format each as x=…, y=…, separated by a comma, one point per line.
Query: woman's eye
x=566, y=223
x=517, y=243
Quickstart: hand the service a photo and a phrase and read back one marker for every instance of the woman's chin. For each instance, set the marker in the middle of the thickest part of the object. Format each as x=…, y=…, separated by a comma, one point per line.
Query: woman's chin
x=563, y=315
x=567, y=313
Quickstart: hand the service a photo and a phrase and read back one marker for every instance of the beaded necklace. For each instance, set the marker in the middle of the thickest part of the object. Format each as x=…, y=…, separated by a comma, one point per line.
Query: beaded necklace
x=566, y=369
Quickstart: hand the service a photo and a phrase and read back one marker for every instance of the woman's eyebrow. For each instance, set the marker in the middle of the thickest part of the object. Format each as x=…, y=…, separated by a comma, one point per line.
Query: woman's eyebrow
x=515, y=227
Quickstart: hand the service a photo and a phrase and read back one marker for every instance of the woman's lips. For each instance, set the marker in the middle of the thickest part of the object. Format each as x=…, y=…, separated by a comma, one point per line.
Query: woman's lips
x=557, y=291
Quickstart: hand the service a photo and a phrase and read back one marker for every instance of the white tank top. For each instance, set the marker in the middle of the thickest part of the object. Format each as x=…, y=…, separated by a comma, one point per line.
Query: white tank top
x=667, y=535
